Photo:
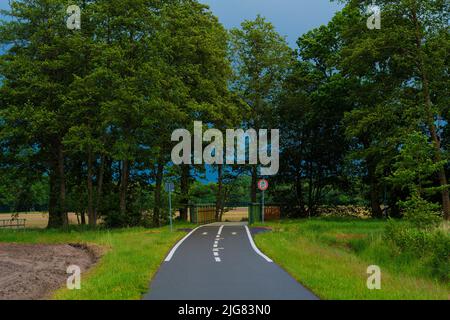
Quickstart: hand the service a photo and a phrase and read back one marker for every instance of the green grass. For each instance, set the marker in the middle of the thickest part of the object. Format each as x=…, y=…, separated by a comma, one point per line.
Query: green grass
x=131, y=259
x=331, y=256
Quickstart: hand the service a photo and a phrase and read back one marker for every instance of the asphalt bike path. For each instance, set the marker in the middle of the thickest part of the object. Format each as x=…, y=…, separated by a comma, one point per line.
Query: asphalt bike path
x=222, y=262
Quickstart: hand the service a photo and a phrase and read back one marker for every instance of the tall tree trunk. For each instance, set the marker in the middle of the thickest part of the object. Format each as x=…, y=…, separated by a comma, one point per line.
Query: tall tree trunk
x=299, y=192
x=374, y=193
x=57, y=204
x=101, y=175
x=83, y=217
x=254, y=187
x=310, y=191
x=158, y=194
x=124, y=186
x=81, y=206
x=62, y=187
x=53, y=219
x=184, y=199
x=90, y=190
x=431, y=118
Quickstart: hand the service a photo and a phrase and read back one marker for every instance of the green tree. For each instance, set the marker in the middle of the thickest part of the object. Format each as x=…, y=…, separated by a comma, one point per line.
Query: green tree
x=407, y=60
x=261, y=59
x=37, y=69
x=310, y=112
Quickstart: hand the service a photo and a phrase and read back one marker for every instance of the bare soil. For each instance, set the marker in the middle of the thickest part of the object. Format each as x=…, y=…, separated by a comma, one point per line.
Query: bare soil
x=34, y=271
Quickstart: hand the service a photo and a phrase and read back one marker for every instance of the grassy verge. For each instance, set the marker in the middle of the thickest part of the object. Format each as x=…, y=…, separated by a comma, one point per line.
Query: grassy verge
x=331, y=256
x=132, y=257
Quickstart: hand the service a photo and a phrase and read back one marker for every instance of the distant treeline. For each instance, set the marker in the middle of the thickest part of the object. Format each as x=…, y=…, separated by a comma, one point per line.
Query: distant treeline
x=86, y=116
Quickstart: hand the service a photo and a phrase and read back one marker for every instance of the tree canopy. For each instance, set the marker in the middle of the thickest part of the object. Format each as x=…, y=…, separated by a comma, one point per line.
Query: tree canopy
x=86, y=115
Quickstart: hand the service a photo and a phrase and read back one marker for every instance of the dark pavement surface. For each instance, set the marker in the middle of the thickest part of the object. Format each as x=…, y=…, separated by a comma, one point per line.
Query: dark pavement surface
x=236, y=272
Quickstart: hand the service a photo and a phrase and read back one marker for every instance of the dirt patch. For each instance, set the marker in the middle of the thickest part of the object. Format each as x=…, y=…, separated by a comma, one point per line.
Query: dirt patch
x=33, y=272
x=152, y=232
x=350, y=236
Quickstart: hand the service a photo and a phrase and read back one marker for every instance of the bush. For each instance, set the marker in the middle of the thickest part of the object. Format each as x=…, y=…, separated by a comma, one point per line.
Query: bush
x=440, y=259
x=420, y=213
x=430, y=246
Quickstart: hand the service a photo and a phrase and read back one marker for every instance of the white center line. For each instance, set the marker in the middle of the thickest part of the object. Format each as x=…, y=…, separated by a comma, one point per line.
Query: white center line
x=216, y=244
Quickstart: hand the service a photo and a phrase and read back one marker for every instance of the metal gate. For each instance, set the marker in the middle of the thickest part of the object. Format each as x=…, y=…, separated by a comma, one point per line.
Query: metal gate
x=206, y=213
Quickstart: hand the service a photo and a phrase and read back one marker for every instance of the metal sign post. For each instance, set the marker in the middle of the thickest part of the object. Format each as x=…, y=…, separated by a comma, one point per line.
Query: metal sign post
x=263, y=185
x=262, y=217
x=170, y=187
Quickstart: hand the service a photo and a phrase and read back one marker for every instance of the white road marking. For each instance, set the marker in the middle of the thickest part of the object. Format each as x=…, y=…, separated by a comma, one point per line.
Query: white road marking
x=254, y=246
x=234, y=233
x=217, y=249
x=174, y=249
x=205, y=233
x=216, y=244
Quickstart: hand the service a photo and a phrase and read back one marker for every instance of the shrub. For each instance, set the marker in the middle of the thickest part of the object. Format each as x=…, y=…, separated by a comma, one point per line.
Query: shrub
x=432, y=247
x=420, y=213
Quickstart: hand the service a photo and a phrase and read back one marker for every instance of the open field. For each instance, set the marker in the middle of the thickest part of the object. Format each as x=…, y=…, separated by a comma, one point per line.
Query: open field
x=37, y=219
x=236, y=215
x=331, y=257
x=131, y=258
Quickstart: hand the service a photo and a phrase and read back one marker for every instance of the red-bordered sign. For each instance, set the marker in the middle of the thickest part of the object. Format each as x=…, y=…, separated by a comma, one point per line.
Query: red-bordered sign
x=263, y=184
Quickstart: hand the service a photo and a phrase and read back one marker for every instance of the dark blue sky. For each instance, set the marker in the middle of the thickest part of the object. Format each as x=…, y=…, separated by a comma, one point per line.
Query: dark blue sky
x=3, y=4
x=291, y=18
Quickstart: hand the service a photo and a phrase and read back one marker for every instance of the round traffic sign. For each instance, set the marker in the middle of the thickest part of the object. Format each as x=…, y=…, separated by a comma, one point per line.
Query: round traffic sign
x=263, y=184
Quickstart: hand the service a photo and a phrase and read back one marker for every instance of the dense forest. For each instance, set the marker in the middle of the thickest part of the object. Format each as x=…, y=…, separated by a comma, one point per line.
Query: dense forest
x=86, y=116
